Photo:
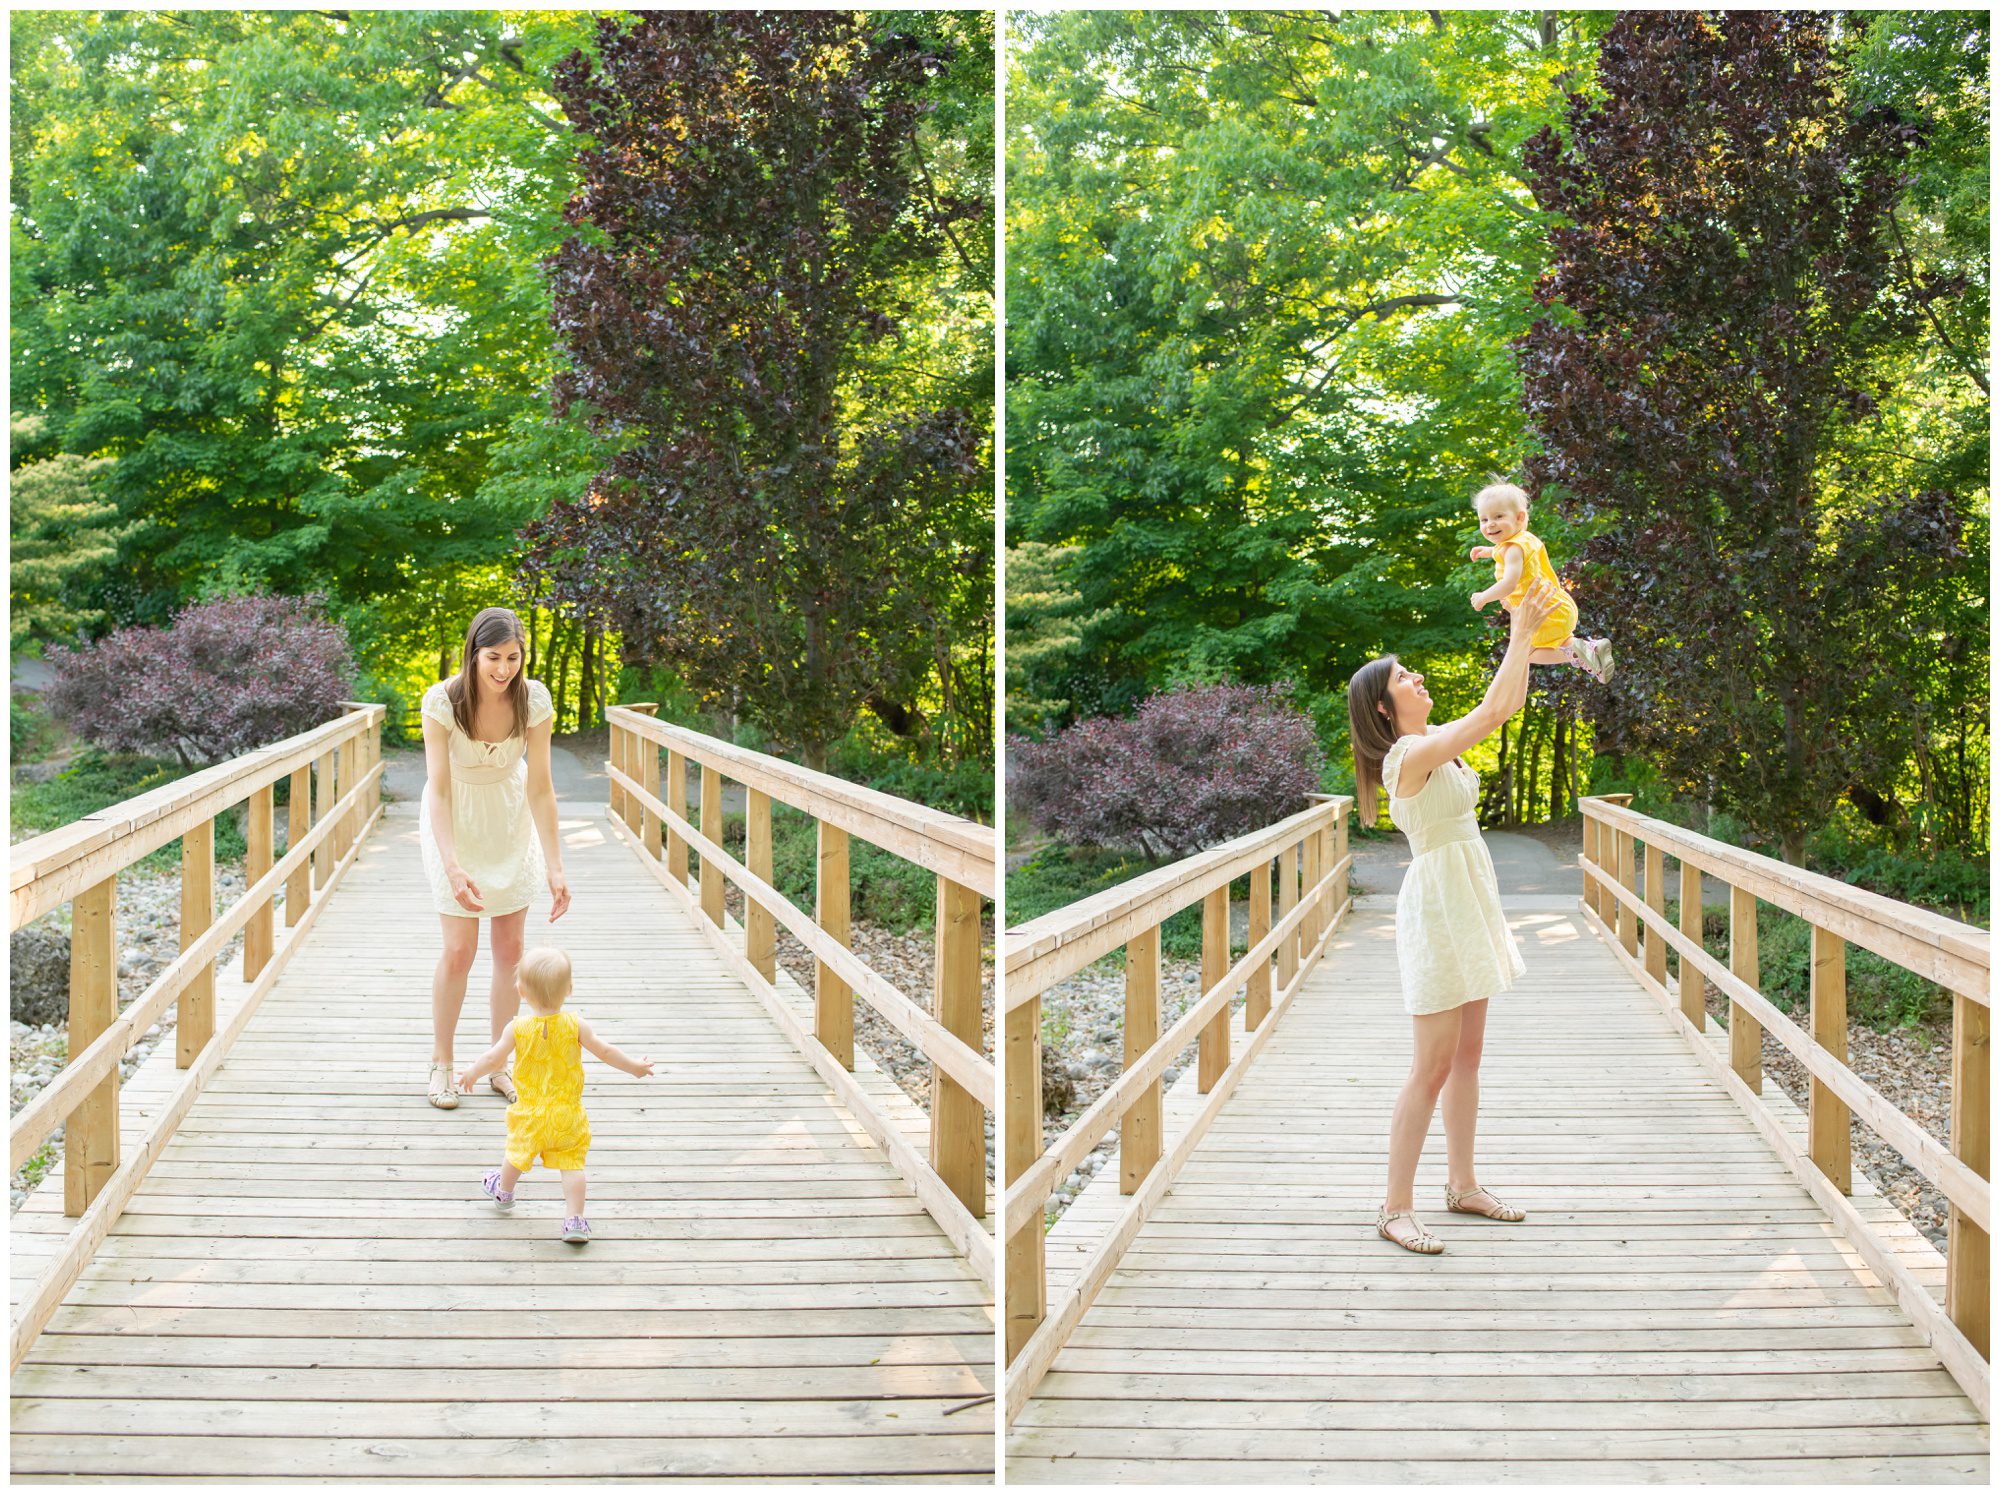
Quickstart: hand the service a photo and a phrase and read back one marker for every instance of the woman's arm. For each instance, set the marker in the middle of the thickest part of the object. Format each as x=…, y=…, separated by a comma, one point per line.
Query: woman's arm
x=1510, y=578
x=1507, y=693
x=610, y=1053
x=490, y=1061
x=542, y=806
x=437, y=796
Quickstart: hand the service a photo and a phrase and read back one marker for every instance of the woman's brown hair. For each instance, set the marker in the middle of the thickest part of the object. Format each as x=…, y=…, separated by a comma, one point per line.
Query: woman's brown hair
x=493, y=627
x=1371, y=730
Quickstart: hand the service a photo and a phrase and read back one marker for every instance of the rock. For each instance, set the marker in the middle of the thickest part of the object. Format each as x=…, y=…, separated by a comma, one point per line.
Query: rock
x=1058, y=1086
x=38, y=980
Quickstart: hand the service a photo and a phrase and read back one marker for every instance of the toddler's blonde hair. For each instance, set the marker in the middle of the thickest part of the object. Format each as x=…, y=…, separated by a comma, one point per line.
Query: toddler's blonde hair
x=543, y=976
x=1516, y=496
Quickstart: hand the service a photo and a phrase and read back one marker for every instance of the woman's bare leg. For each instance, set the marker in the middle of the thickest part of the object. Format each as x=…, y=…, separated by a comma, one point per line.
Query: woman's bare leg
x=1436, y=1041
x=1460, y=1099
x=508, y=933
x=461, y=943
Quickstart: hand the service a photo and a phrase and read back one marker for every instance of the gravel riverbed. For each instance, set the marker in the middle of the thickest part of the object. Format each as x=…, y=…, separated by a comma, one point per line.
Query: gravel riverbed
x=148, y=924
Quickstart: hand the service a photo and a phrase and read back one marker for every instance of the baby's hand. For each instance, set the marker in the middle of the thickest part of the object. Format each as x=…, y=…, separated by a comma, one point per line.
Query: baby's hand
x=1479, y=601
x=643, y=1067
x=465, y=1082
x=1482, y=552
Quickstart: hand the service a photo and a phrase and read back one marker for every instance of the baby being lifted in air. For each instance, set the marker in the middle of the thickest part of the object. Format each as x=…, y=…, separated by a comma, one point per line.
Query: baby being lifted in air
x=1519, y=560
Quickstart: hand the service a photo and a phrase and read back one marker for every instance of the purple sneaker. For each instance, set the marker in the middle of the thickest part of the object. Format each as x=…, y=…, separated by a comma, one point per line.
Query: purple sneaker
x=576, y=1230
x=491, y=1183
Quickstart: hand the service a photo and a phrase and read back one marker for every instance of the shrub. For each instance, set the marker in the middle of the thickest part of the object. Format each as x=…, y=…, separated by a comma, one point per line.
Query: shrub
x=1190, y=768
x=224, y=678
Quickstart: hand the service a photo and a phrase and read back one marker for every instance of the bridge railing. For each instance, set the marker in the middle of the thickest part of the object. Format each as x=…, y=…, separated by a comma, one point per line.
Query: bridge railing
x=334, y=778
x=1308, y=855
x=1630, y=907
x=691, y=862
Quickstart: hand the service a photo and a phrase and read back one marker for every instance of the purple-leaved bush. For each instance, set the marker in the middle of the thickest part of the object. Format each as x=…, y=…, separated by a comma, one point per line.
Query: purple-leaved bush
x=1190, y=768
x=223, y=678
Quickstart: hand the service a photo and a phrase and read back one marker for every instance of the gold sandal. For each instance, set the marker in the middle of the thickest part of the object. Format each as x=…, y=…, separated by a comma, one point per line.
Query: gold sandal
x=442, y=1093
x=1455, y=1202
x=1422, y=1241
x=503, y=1086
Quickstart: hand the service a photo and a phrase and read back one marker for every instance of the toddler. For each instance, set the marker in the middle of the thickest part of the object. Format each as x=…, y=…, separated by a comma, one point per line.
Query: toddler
x=546, y=1120
x=1519, y=560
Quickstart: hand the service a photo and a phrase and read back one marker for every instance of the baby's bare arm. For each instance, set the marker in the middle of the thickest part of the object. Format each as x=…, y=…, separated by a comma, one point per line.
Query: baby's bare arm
x=610, y=1053
x=1510, y=578
x=490, y=1061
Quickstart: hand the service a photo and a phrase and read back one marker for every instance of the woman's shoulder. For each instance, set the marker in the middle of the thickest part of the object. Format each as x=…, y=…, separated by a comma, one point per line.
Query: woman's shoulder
x=437, y=703
x=541, y=706
x=1392, y=761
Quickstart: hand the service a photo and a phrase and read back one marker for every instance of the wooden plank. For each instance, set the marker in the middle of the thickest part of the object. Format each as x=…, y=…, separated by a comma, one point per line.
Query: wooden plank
x=676, y=800
x=1288, y=897
x=760, y=943
x=1257, y=999
x=259, y=935
x=1693, y=988
x=958, y=1119
x=1746, y=1038
x=1212, y=1055
x=646, y=769
x=833, y=1000
x=711, y=827
x=1968, y=1248
x=1628, y=927
x=1021, y=1129
x=90, y=1142
x=298, y=821
x=1829, y=1143
x=196, y=1023
x=1139, y=1129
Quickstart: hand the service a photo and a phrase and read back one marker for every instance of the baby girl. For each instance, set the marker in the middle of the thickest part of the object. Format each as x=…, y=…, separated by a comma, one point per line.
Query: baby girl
x=1520, y=559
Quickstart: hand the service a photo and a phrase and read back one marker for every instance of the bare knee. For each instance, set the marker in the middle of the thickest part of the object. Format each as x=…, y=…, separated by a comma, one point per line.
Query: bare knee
x=1428, y=1072
x=507, y=942
x=458, y=954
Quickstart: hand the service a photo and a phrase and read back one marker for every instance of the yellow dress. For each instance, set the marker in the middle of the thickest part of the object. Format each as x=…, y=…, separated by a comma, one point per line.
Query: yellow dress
x=547, y=1119
x=1560, y=626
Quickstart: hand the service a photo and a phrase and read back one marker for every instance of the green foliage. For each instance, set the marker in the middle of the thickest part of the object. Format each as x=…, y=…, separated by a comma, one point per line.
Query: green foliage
x=60, y=538
x=1046, y=624
x=883, y=889
x=1058, y=876
x=94, y=781
x=32, y=734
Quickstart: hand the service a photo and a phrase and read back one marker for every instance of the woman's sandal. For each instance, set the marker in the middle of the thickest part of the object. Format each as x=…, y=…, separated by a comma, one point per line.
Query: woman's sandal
x=1455, y=1202
x=442, y=1093
x=1420, y=1240
x=503, y=1086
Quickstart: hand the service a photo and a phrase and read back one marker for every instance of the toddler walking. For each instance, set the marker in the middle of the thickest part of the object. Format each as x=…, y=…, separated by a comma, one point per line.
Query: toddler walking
x=1519, y=560
x=546, y=1119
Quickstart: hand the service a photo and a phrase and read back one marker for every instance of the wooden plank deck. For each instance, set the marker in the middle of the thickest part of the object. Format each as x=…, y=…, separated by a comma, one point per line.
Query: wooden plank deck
x=1676, y=1307
x=310, y=1283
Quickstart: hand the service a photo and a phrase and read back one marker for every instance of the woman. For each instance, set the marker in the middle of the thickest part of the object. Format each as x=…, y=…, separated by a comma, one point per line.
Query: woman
x=1453, y=946
x=486, y=747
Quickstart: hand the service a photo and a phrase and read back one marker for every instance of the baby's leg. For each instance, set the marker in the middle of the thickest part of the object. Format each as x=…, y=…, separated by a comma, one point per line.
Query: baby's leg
x=573, y=1191
x=509, y=1176
x=1564, y=655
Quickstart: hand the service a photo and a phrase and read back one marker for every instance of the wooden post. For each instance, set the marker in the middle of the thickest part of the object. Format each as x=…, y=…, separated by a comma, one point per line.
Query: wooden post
x=323, y=798
x=1257, y=1004
x=1309, y=874
x=833, y=1000
x=1746, y=1035
x=1027, y=1287
x=711, y=827
x=1968, y=1249
x=350, y=822
x=1591, y=897
x=1139, y=1132
x=196, y=1022
x=1288, y=899
x=1341, y=888
x=1693, y=985
x=646, y=769
x=1212, y=1056
x=90, y=1135
x=760, y=943
x=676, y=799
x=260, y=831
x=1656, y=900
x=958, y=1121
x=619, y=809
x=298, y=820
x=1628, y=922
x=1827, y=1131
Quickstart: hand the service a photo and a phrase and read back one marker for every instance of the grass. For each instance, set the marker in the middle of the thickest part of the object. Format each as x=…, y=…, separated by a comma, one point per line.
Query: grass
x=1059, y=875
x=94, y=781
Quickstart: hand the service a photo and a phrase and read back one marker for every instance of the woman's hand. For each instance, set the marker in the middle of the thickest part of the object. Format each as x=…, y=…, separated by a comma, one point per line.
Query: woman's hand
x=558, y=893
x=1534, y=609
x=464, y=889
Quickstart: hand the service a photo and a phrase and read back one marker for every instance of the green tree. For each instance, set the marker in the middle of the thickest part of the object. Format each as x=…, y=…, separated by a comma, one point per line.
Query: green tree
x=60, y=536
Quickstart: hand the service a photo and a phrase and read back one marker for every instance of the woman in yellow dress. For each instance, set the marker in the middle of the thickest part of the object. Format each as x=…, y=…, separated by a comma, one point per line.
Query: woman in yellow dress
x=487, y=826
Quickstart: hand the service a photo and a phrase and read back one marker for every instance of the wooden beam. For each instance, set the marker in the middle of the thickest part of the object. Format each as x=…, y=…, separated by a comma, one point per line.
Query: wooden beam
x=1969, y=1249
x=1656, y=900
x=1212, y=1053
x=1827, y=1120
x=195, y=1024
x=1257, y=1003
x=760, y=943
x=260, y=934
x=711, y=827
x=1746, y=1038
x=1288, y=899
x=90, y=1141
x=298, y=822
x=676, y=799
x=833, y=998
x=1139, y=1129
x=1693, y=988
x=958, y=1121
x=1021, y=1132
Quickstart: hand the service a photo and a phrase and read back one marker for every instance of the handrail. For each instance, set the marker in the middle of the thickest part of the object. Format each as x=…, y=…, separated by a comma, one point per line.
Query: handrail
x=80, y=864
x=687, y=857
x=1958, y=956
x=1309, y=854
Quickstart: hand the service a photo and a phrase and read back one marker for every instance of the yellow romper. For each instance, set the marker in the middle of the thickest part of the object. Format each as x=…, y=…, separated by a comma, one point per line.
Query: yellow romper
x=548, y=1118
x=1560, y=626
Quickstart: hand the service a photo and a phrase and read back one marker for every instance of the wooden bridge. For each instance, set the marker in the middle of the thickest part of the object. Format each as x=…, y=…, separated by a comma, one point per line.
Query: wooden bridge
x=265, y=1254
x=1703, y=1291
